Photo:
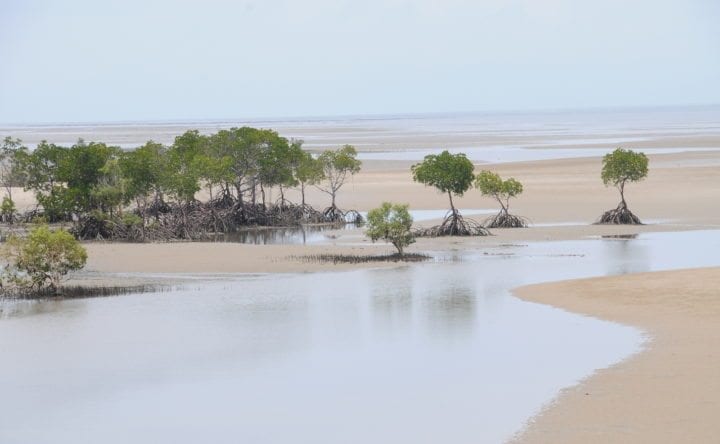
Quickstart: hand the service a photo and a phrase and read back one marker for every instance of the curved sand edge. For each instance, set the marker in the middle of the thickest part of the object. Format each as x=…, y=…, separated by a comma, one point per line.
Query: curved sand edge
x=669, y=392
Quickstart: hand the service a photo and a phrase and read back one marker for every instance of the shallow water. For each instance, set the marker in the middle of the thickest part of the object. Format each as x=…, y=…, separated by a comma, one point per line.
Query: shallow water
x=316, y=234
x=436, y=352
x=509, y=153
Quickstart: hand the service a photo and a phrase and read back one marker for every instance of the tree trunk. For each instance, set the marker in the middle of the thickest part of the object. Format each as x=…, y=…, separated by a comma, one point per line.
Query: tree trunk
x=503, y=206
x=452, y=205
x=302, y=192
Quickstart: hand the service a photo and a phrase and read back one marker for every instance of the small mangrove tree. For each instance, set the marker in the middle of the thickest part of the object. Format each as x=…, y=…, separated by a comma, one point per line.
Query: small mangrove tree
x=620, y=167
x=391, y=223
x=492, y=185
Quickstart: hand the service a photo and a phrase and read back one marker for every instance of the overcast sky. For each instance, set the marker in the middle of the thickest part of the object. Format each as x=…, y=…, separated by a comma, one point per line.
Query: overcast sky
x=95, y=60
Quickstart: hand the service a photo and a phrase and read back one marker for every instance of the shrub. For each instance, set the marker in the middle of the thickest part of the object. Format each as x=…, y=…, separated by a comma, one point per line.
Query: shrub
x=392, y=223
x=43, y=259
x=7, y=210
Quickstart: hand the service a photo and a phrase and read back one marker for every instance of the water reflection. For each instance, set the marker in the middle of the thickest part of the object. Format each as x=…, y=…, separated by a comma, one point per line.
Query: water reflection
x=277, y=235
x=451, y=313
x=430, y=352
x=629, y=254
x=392, y=301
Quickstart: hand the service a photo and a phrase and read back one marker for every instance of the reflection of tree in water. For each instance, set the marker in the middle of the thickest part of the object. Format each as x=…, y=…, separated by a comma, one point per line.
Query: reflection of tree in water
x=391, y=299
x=20, y=308
x=626, y=254
x=279, y=236
x=442, y=304
x=451, y=311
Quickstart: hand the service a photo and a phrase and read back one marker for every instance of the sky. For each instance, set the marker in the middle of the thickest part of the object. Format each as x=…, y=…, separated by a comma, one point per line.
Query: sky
x=134, y=60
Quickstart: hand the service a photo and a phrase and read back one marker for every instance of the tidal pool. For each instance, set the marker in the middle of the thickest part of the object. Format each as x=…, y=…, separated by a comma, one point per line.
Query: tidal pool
x=433, y=352
x=315, y=234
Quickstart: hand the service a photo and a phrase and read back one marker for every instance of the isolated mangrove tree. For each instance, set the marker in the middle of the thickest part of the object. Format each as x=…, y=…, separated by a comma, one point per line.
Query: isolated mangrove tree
x=391, y=223
x=620, y=167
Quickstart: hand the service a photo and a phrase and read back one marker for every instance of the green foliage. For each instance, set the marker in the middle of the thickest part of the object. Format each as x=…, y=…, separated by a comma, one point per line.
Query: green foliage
x=131, y=220
x=623, y=166
x=449, y=173
x=336, y=166
x=43, y=258
x=144, y=170
x=255, y=157
x=309, y=170
x=65, y=180
x=91, y=178
x=392, y=223
x=12, y=153
x=110, y=192
x=275, y=164
x=7, y=209
x=184, y=171
x=491, y=184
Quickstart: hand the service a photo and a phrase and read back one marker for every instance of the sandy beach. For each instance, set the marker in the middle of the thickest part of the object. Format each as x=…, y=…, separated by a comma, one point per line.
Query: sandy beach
x=668, y=393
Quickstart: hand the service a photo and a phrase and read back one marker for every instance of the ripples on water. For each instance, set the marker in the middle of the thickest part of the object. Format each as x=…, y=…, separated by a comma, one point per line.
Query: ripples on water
x=424, y=353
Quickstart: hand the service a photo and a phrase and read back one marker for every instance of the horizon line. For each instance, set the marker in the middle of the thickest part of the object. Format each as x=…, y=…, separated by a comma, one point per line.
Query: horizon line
x=361, y=116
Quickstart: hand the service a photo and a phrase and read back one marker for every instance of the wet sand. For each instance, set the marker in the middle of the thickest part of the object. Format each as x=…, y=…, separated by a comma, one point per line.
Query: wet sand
x=668, y=393
x=561, y=200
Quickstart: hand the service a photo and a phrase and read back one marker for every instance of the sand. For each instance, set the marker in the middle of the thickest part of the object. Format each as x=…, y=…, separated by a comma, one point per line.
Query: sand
x=562, y=199
x=670, y=392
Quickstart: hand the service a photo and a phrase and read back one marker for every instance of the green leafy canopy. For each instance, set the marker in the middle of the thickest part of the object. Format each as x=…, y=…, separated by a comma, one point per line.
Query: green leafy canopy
x=449, y=173
x=46, y=256
x=622, y=166
x=491, y=184
x=392, y=223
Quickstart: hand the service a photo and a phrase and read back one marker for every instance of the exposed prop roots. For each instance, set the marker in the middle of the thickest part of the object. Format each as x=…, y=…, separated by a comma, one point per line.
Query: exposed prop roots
x=454, y=225
x=353, y=217
x=505, y=220
x=334, y=215
x=201, y=221
x=619, y=216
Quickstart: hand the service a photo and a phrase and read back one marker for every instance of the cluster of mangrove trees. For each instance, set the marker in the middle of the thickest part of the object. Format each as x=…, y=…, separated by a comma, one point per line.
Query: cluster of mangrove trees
x=149, y=193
